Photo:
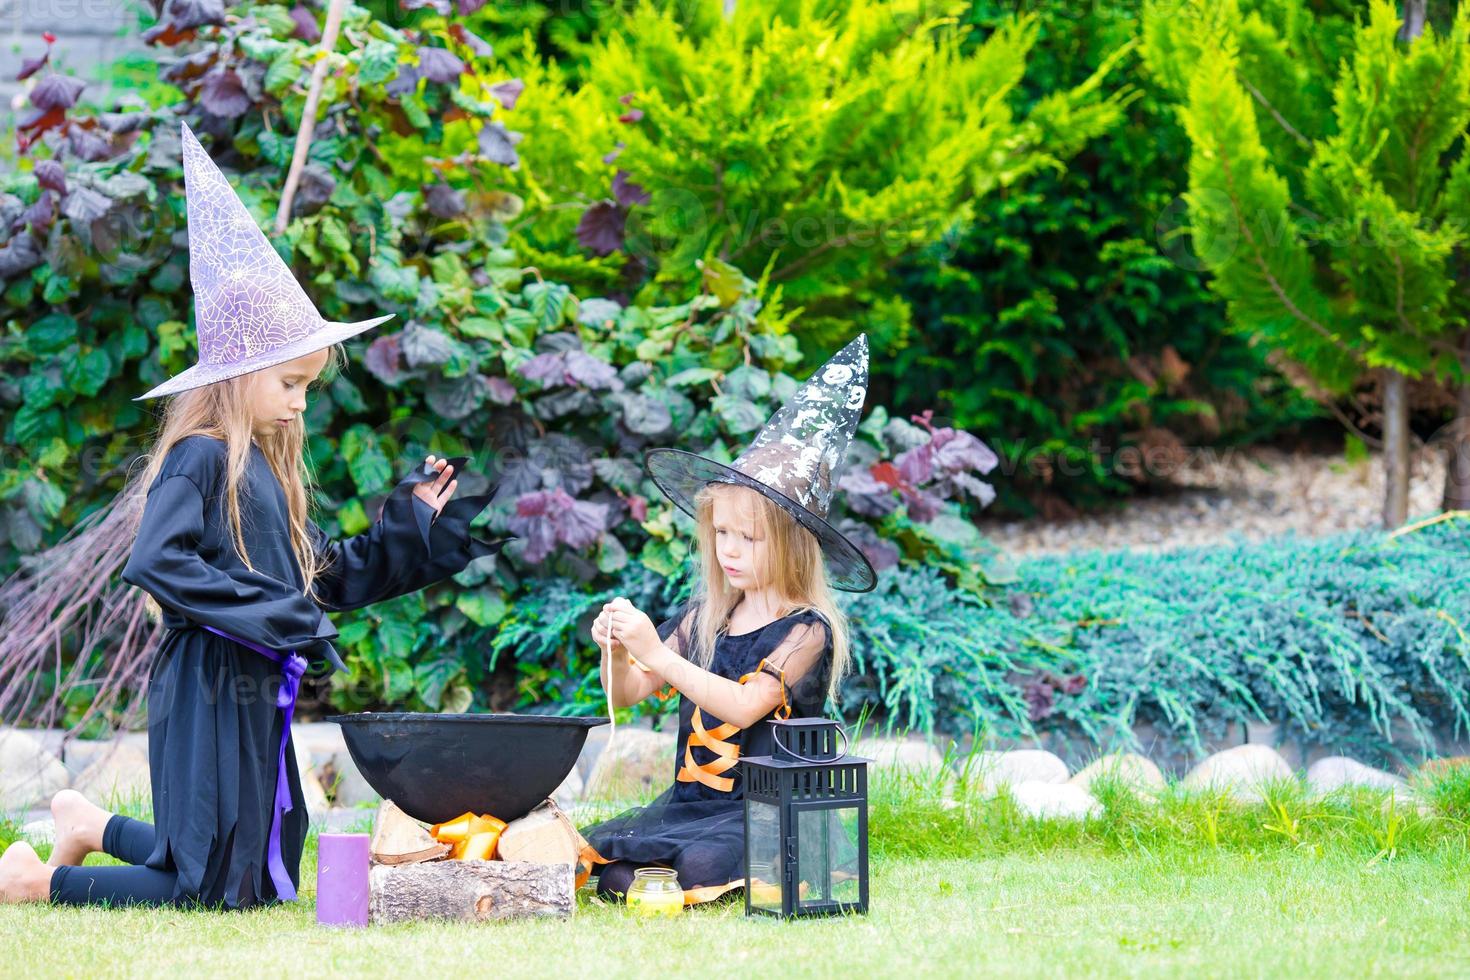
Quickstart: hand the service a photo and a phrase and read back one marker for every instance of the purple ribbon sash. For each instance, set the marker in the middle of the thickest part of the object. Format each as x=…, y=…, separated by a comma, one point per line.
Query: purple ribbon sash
x=293, y=665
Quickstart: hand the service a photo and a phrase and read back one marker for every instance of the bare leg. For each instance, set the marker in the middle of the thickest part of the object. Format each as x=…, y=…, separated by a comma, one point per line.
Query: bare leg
x=24, y=877
x=79, y=827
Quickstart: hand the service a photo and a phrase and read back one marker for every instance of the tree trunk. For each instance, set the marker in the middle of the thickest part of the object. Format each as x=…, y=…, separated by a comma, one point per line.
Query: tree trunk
x=1395, y=448
x=1395, y=384
x=1413, y=26
x=469, y=891
x=335, y=10
x=1457, y=463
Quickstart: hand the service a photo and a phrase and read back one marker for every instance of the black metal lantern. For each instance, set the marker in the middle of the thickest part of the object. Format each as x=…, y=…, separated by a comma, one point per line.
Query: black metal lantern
x=806, y=823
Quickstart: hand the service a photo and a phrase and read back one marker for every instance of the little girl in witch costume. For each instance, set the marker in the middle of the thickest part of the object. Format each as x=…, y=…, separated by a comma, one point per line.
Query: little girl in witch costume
x=762, y=637
x=244, y=579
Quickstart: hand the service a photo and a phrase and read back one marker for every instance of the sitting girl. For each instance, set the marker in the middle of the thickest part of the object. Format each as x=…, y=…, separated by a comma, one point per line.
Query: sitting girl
x=762, y=637
x=243, y=578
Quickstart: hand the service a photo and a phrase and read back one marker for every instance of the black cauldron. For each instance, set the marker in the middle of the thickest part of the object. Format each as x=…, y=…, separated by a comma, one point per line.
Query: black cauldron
x=436, y=767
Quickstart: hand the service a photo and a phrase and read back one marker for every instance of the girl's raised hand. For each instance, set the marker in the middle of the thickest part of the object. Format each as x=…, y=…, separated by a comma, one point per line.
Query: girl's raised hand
x=602, y=635
x=436, y=492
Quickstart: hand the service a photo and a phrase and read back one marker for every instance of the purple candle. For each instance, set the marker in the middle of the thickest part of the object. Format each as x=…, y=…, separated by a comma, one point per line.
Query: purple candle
x=342, y=879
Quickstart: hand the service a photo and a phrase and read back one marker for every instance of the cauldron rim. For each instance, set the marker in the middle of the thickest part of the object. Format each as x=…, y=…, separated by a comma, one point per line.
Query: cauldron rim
x=486, y=717
x=437, y=766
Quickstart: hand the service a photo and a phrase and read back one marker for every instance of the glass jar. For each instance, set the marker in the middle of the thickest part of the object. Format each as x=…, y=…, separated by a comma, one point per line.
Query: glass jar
x=656, y=891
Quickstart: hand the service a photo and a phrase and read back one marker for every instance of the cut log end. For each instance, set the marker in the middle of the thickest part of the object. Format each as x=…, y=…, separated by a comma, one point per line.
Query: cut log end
x=400, y=839
x=544, y=836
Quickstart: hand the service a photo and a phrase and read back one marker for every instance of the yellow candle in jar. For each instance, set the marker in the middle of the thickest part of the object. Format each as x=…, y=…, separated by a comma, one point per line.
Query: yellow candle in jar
x=669, y=904
x=655, y=891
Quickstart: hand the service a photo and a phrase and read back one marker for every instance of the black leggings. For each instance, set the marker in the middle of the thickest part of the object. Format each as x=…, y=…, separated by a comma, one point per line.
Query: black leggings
x=127, y=840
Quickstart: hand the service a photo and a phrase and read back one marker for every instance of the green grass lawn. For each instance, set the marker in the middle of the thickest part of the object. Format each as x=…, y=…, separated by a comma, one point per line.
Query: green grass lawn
x=1019, y=913
x=1190, y=884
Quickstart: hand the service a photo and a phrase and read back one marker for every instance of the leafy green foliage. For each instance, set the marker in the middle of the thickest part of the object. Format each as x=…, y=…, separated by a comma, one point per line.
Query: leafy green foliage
x=1067, y=322
x=778, y=149
x=1323, y=221
x=553, y=392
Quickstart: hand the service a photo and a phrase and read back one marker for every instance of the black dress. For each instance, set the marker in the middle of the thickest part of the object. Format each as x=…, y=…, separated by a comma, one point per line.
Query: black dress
x=213, y=726
x=697, y=825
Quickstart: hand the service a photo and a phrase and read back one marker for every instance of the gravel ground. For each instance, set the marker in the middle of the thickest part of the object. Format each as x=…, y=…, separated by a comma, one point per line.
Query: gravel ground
x=1249, y=493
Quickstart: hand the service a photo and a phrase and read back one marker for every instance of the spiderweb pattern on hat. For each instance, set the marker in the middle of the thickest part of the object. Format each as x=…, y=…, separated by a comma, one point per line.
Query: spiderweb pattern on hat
x=795, y=460
x=249, y=311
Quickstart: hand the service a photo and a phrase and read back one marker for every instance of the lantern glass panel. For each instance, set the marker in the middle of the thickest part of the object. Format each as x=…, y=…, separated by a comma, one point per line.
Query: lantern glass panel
x=827, y=855
x=763, y=855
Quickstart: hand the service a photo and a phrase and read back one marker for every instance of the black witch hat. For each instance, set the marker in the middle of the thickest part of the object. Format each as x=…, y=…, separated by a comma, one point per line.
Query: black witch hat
x=794, y=460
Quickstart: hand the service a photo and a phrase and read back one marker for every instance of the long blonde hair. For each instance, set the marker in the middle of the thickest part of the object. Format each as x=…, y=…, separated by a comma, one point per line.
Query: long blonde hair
x=793, y=567
x=221, y=410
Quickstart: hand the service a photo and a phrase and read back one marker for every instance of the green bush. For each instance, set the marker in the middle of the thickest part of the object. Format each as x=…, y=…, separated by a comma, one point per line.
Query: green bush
x=1358, y=642
x=1053, y=307
x=1068, y=320
x=1327, y=187
x=813, y=144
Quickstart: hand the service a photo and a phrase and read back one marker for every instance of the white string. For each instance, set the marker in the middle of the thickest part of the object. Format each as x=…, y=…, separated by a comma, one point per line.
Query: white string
x=612, y=731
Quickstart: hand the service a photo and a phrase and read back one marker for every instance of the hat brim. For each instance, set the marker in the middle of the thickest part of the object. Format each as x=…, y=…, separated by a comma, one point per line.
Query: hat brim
x=329, y=333
x=681, y=475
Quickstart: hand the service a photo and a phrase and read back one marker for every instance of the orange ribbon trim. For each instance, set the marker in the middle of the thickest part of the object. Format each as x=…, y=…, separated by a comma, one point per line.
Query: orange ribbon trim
x=709, y=772
x=728, y=754
x=585, y=860
x=663, y=693
x=785, y=710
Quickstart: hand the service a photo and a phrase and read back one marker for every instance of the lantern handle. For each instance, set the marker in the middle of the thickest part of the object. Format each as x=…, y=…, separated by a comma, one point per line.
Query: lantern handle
x=776, y=737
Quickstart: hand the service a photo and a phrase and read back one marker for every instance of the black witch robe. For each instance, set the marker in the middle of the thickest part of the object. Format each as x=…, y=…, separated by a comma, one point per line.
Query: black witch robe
x=691, y=815
x=213, y=726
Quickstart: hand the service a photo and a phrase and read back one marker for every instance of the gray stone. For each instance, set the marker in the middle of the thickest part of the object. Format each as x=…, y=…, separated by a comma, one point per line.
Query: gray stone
x=41, y=831
x=322, y=740
x=597, y=741
x=1055, y=801
x=997, y=769
x=79, y=753
x=29, y=775
x=1268, y=733
x=1338, y=771
x=571, y=789
x=1244, y=771
x=90, y=34
x=116, y=777
x=311, y=785
x=321, y=749
x=51, y=739
x=638, y=764
x=345, y=784
x=1129, y=768
x=901, y=755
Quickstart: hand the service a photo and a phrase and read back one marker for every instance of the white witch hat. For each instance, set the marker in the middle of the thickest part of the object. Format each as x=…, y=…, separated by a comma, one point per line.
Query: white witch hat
x=249, y=311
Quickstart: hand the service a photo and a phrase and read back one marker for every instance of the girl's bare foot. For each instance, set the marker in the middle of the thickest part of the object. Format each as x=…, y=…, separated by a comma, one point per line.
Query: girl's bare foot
x=23, y=877
x=79, y=826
